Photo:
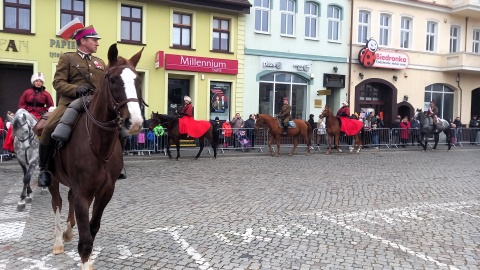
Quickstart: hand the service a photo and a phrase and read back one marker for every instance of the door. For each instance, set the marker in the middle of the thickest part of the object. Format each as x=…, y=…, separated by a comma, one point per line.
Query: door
x=177, y=89
x=14, y=79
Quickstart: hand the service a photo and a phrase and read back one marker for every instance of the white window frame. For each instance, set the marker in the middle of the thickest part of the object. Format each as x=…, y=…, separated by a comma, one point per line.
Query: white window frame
x=286, y=14
x=454, y=39
x=334, y=14
x=431, y=37
x=406, y=32
x=385, y=24
x=311, y=18
x=264, y=11
x=143, y=6
x=476, y=41
x=363, y=33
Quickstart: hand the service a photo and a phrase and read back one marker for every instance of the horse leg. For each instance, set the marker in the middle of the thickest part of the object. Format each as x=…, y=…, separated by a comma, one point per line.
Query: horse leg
x=85, y=239
x=170, y=141
x=270, y=141
x=436, y=137
x=97, y=211
x=177, y=144
x=295, y=143
x=68, y=233
x=358, y=143
x=337, y=138
x=277, y=139
x=449, y=138
x=27, y=178
x=23, y=195
x=202, y=144
x=57, y=208
x=309, y=143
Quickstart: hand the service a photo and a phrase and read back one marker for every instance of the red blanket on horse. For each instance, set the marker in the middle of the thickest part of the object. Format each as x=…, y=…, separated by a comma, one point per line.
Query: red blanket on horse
x=8, y=142
x=350, y=126
x=192, y=127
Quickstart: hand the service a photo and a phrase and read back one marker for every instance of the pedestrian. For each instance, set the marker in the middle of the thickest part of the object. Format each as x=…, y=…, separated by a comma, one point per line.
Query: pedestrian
x=404, y=132
x=227, y=133
x=249, y=126
x=321, y=131
x=70, y=82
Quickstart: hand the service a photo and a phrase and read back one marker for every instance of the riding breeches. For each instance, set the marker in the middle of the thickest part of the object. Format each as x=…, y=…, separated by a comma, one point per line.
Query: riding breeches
x=51, y=124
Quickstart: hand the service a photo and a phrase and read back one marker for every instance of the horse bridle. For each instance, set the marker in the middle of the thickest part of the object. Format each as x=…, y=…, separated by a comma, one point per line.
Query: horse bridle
x=114, y=124
x=30, y=136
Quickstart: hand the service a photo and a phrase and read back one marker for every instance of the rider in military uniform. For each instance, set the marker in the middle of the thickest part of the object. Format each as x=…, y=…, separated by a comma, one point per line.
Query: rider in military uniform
x=432, y=112
x=284, y=115
x=77, y=74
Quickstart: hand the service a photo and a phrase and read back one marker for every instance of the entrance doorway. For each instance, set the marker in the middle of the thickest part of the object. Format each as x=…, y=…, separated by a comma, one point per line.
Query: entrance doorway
x=177, y=89
x=475, y=106
x=377, y=95
x=14, y=79
x=404, y=111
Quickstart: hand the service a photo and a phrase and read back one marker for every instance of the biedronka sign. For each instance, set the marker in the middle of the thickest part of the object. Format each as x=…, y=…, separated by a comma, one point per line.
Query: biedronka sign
x=370, y=56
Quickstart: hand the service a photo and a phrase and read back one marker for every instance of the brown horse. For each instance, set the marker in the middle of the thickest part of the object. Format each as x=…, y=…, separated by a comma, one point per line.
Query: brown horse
x=275, y=131
x=333, y=130
x=172, y=126
x=90, y=163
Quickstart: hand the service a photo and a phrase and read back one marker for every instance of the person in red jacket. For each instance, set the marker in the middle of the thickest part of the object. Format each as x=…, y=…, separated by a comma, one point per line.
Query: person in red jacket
x=344, y=110
x=405, y=131
x=36, y=100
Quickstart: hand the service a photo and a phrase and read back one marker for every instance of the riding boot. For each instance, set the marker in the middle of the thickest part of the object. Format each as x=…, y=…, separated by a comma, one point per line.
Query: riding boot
x=45, y=177
x=285, y=128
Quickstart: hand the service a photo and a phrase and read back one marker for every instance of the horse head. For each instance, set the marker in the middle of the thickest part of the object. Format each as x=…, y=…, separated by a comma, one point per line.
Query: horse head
x=259, y=121
x=154, y=120
x=124, y=85
x=326, y=112
x=22, y=124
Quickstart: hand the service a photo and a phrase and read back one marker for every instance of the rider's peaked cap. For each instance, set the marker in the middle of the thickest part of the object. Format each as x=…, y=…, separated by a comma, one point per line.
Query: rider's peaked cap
x=76, y=30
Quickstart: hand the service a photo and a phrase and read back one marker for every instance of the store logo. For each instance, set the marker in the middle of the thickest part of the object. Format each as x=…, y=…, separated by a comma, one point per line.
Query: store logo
x=302, y=67
x=277, y=65
x=370, y=56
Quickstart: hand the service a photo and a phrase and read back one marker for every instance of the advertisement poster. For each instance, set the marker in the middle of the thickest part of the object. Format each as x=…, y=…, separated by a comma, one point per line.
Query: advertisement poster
x=219, y=100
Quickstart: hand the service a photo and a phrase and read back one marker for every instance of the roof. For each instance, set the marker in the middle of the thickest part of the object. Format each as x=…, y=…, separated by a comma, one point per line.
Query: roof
x=241, y=6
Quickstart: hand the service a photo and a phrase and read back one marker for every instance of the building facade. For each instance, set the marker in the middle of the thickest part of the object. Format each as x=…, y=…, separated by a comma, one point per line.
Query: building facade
x=423, y=50
x=189, y=49
x=295, y=49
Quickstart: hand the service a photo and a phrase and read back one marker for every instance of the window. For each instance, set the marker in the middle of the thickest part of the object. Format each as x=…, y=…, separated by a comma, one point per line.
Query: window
x=454, y=38
x=363, y=26
x=333, y=15
x=405, y=32
x=443, y=97
x=262, y=15
x=131, y=24
x=431, y=36
x=287, y=10
x=17, y=16
x=70, y=9
x=221, y=34
x=384, y=30
x=476, y=41
x=182, y=30
x=311, y=19
x=275, y=86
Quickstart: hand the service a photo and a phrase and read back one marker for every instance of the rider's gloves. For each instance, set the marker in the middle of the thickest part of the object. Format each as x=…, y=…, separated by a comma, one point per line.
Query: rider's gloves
x=82, y=90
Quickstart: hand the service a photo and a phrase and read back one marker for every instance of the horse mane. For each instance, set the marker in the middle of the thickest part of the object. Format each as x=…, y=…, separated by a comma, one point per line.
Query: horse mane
x=31, y=120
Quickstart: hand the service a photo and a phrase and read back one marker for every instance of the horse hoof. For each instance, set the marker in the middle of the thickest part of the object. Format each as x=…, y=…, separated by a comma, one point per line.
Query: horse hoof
x=20, y=206
x=340, y=150
x=58, y=250
x=28, y=199
x=327, y=153
x=44, y=191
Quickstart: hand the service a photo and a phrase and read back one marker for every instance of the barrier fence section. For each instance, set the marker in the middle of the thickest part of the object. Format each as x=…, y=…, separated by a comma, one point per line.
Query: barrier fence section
x=244, y=139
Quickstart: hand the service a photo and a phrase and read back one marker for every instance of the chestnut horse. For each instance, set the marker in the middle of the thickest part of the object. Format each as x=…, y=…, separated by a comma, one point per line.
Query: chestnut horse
x=333, y=130
x=172, y=126
x=90, y=163
x=275, y=132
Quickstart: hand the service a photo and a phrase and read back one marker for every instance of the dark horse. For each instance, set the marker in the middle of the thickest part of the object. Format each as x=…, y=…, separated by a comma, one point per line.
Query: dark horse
x=333, y=130
x=426, y=129
x=275, y=131
x=90, y=163
x=172, y=126
x=26, y=148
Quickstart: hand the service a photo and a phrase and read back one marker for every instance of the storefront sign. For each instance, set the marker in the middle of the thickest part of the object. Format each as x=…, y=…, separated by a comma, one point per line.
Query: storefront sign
x=11, y=45
x=370, y=56
x=200, y=64
x=326, y=92
x=289, y=65
x=305, y=68
x=333, y=80
x=159, y=59
x=277, y=65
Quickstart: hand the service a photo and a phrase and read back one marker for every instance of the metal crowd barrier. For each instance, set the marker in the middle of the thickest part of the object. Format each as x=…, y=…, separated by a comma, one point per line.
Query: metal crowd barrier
x=244, y=139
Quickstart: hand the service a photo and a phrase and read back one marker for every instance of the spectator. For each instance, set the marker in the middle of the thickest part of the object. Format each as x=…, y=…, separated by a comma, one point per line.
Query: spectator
x=474, y=125
x=249, y=125
x=415, y=131
x=311, y=121
x=2, y=126
x=395, y=130
x=159, y=131
x=458, y=126
x=321, y=132
x=375, y=136
x=237, y=123
x=405, y=130
x=227, y=133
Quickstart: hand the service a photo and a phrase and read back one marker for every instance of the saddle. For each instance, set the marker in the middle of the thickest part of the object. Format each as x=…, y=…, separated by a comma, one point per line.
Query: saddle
x=38, y=128
x=290, y=123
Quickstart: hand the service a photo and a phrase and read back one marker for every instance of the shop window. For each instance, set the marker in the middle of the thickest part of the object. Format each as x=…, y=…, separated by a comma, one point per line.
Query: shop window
x=276, y=86
x=131, y=24
x=17, y=16
x=71, y=9
x=182, y=30
x=219, y=100
x=443, y=97
x=221, y=35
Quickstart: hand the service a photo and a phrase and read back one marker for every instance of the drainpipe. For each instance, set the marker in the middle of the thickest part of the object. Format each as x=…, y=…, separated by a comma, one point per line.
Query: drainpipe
x=466, y=28
x=461, y=95
x=350, y=55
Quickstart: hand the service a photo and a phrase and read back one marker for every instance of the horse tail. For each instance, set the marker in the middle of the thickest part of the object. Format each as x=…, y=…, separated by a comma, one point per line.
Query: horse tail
x=309, y=132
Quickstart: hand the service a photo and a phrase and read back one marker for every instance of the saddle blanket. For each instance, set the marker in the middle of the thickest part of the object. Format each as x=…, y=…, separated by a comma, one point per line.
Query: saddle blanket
x=350, y=126
x=291, y=124
x=192, y=127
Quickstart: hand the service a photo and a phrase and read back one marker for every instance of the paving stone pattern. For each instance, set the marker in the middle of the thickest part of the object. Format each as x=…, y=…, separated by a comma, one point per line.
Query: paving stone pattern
x=374, y=210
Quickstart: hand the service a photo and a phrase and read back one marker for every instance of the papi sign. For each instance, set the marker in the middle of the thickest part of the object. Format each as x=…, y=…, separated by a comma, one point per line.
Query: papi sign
x=370, y=56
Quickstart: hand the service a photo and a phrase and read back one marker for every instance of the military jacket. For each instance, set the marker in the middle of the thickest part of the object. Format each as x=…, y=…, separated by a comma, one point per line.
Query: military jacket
x=74, y=69
x=285, y=112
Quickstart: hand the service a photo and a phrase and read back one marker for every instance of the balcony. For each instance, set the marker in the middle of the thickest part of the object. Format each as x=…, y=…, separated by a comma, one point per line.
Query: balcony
x=466, y=8
x=461, y=62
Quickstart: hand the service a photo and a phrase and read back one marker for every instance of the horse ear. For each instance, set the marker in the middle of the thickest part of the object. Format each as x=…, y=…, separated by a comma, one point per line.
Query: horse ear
x=136, y=57
x=112, y=54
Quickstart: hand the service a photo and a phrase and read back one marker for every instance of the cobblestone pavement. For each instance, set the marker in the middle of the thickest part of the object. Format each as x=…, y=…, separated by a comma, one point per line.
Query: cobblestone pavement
x=374, y=210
